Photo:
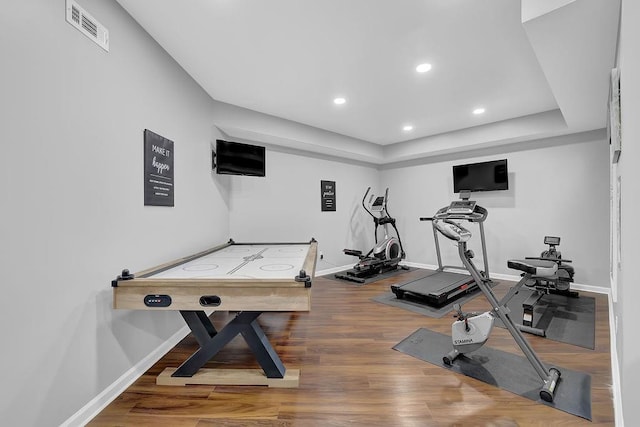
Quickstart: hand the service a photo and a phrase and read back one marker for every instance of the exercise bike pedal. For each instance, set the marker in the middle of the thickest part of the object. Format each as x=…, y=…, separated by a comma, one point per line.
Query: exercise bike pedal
x=461, y=315
x=458, y=311
x=450, y=357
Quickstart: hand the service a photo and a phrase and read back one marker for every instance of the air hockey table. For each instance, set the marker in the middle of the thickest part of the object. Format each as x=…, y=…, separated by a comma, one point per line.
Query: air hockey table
x=247, y=278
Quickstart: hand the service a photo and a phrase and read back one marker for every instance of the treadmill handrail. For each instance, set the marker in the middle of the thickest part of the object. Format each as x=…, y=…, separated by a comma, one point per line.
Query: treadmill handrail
x=479, y=215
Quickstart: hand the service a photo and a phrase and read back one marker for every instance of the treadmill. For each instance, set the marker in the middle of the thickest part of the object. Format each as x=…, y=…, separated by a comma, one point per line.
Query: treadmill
x=442, y=286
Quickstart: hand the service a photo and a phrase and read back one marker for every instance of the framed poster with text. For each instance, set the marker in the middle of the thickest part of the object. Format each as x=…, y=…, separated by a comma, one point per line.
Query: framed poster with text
x=328, y=196
x=158, y=170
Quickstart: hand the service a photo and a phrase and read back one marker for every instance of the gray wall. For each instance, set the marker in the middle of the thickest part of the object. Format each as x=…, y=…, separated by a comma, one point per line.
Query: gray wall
x=557, y=186
x=72, y=119
x=286, y=205
x=628, y=291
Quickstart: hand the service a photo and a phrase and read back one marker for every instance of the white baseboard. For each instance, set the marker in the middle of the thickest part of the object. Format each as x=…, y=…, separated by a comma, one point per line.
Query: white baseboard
x=419, y=265
x=108, y=395
x=333, y=270
x=615, y=367
x=509, y=277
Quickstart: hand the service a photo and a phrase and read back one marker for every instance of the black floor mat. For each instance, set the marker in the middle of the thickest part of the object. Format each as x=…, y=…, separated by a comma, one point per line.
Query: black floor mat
x=368, y=280
x=566, y=319
x=504, y=370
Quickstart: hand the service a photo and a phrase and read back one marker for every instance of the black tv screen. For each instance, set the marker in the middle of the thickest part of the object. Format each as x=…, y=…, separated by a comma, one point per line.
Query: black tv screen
x=234, y=158
x=485, y=176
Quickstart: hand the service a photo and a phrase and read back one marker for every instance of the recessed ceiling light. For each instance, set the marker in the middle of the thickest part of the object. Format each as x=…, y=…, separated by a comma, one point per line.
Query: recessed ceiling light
x=478, y=111
x=339, y=101
x=407, y=128
x=423, y=68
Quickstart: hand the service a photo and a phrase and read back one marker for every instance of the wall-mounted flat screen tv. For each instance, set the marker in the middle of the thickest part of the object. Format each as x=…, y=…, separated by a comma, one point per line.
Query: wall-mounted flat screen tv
x=485, y=176
x=234, y=158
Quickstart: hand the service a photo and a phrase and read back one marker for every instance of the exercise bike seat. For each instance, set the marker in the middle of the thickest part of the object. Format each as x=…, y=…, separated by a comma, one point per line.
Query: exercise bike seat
x=539, y=268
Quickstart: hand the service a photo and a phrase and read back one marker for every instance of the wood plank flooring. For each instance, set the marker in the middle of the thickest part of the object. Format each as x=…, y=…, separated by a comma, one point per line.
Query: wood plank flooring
x=350, y=375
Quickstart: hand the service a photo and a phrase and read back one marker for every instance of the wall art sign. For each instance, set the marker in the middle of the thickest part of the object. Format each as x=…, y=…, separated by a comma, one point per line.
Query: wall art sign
x=158, y=170
x=328, y=196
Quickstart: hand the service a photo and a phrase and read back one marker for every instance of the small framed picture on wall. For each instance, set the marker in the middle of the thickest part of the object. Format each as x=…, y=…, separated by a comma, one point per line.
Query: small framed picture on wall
x=328, y=196
x=158, y=170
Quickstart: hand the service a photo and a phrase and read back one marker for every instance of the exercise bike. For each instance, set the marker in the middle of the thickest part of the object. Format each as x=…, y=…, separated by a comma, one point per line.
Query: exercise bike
x=471, y=330
x=385, y=255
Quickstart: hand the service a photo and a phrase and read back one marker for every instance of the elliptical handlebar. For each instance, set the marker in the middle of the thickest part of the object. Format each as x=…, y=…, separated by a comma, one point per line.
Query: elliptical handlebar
x=386, y=220
x=364, y=206
x=389, y=219
x=386, y=197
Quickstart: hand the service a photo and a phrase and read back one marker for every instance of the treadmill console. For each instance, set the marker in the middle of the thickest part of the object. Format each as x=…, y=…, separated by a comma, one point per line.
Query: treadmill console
x=461, y=207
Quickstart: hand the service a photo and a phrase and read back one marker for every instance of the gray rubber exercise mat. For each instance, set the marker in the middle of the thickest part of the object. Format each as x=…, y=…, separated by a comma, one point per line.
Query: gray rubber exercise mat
x=504, y=370
x=571, y=320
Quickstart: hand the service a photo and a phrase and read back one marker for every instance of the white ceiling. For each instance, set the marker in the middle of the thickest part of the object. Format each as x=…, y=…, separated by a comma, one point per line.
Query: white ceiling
x=290, y=58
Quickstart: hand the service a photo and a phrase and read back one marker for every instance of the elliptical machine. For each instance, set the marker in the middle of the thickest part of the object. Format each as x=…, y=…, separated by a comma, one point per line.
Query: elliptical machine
x=386, y=254
x=472, y=330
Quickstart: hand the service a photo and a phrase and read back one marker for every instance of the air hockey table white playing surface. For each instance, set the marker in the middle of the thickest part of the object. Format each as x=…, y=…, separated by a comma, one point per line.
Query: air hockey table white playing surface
x=248, y=261
x=234, y=276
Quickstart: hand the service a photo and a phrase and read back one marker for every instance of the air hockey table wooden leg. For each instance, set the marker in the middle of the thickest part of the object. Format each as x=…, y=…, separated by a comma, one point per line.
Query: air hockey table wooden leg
x=211, y=342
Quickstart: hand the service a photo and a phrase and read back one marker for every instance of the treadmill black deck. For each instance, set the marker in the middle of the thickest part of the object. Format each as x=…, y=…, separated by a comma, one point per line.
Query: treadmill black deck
x=436, y=289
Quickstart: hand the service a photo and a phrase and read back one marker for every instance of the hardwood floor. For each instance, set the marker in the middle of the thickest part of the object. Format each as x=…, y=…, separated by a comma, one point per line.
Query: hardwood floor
x=350, y=375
